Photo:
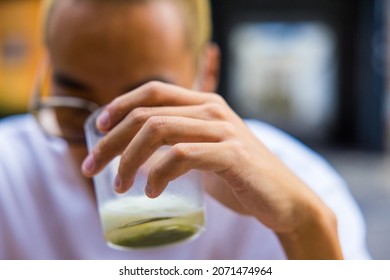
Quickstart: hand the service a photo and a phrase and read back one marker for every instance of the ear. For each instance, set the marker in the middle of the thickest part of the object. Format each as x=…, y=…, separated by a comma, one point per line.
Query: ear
x=211, y=68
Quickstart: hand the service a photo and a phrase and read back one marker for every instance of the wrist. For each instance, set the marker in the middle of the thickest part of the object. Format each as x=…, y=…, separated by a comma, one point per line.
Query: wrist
x=315, y=237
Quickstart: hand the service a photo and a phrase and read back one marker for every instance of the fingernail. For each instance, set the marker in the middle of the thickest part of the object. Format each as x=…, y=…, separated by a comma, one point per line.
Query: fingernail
x=103, y=120
x=117, y=183
x=149, y=191
x=88, y=164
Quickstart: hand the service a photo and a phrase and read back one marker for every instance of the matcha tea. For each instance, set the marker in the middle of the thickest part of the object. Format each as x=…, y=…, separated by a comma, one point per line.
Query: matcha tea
x=141, y=222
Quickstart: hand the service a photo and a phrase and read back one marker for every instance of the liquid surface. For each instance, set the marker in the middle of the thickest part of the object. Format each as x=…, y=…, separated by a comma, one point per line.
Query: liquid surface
x=140, y=222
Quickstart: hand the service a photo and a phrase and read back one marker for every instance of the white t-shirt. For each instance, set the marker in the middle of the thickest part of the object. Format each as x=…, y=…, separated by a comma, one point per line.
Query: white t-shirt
x=46, y=211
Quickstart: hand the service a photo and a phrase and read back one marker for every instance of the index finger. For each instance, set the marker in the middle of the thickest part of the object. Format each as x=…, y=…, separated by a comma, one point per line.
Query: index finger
x=148, y=95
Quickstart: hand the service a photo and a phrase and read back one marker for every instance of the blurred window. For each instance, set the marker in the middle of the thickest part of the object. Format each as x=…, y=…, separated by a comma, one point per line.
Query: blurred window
x=285, y=73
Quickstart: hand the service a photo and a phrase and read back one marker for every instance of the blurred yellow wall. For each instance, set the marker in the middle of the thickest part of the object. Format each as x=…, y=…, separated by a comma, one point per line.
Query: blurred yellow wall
x=20, y=52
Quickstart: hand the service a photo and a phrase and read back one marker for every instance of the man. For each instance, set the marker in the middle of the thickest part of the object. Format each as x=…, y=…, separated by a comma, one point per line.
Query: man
x=152, y=65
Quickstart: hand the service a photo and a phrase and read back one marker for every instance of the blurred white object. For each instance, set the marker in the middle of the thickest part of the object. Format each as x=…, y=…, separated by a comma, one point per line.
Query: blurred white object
x=285, y=74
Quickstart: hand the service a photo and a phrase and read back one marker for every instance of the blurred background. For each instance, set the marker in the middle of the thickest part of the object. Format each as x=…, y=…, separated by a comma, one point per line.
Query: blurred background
x=314, y=68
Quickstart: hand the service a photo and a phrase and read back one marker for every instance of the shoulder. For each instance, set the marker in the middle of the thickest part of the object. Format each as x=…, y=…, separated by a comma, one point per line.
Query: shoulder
x=17, y=146
x=13, y=125
x=24, y=131
x=279, y=142
x=311, y=167
x=15, y=132
x=24, y=149
x=19, y=130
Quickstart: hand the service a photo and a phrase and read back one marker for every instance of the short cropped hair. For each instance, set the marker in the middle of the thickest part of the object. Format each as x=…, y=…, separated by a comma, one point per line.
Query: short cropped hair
x=196, y=13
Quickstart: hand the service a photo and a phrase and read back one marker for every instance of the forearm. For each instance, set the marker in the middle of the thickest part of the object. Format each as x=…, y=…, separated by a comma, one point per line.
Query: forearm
x=315, y=239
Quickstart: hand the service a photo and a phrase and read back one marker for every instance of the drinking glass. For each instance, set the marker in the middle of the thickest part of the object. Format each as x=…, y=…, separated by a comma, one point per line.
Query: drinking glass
x=135, y=221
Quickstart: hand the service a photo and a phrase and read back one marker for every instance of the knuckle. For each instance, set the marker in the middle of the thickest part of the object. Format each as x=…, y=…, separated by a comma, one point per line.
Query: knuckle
x=105, y=150
x=100, y=149
x=101, y=146
x=238, y=151
x=153, y=89
x=180, y=152
x=116, y=102
x=215, y=111
x=156, y=125
x=117, y=105
x=217, y=99
x=124, y=159
x=139, y=115
x=154, y=175
x=229, y=129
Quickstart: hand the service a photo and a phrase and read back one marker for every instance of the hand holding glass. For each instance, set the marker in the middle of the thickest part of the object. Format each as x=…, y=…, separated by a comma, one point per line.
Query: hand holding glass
x=133, y=220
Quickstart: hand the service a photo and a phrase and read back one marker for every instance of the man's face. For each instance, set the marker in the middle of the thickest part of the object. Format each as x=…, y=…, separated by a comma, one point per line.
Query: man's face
x=99, y=51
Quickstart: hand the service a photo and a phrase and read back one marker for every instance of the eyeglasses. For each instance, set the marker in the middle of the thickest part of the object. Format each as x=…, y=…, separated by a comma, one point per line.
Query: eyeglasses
x=64, y=116
x=60, y=116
